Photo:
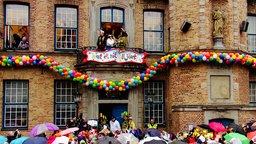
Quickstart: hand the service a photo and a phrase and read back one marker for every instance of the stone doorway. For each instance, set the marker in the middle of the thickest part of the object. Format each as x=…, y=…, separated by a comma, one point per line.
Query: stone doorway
x=111, y=109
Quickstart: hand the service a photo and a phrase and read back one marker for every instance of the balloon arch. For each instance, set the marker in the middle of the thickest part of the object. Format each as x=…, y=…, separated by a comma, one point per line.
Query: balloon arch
x=123, y=85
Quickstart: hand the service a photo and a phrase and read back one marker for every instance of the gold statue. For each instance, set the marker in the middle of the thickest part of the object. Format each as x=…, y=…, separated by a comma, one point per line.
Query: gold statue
x=218, y=23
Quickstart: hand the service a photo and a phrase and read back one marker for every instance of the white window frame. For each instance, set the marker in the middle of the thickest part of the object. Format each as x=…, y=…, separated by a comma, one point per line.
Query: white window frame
x=252, y=34
x=155, y=109
x=153, y=33
x=66, y=28
x=15, y=104
x=64, y=106
x=252, y=89
x=16, y=16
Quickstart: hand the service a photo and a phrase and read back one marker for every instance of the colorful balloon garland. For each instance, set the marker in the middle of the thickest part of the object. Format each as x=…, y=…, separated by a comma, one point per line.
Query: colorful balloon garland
x=123, y=85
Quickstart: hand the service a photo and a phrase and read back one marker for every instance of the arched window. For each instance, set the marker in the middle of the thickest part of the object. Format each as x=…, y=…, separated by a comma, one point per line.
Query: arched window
x=112, y=20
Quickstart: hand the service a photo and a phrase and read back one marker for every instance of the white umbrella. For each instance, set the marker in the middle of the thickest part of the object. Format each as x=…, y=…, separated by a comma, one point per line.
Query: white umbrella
x=148, y=139
x=92, y=123
x=125, y=137
x=62, y=140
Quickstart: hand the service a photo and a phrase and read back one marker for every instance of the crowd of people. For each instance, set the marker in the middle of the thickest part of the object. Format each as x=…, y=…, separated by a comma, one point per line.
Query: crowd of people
x=88, y=133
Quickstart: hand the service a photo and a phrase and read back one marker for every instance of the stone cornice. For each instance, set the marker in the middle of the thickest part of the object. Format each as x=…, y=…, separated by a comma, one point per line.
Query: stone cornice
x=211, y=107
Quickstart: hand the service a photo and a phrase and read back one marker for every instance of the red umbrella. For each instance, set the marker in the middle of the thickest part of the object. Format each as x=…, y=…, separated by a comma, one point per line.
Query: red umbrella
x=217, y=127
x=250, y=135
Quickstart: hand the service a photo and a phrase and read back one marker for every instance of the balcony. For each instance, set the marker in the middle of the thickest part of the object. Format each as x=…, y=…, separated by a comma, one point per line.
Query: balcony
x=91, y=59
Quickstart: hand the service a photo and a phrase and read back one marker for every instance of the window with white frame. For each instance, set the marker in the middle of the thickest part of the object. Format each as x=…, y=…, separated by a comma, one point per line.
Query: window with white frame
x=252, y=34
x=66, y=28
x=15, y=104
x=153, y=31
x=154, y=102
x=16, y=26
x=253, y=93
x=112, y=21
x=65, y=107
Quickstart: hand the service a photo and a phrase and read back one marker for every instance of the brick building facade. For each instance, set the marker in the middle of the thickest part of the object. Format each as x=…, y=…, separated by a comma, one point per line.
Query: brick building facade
x=185, y=91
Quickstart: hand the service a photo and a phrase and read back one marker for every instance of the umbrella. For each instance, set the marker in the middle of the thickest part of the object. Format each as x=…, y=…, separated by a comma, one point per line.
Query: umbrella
x=92, y=123
x=254, y=139
x=236, y=128
x=36, y=140
x=217, y=127
x=2, y=139
x=51, y=126
x=179, y=142
x=41, y=128
x=108, y=140
x=19, y=140
x=62, y=140
x=204, y=126
x=251, y=134
x=125, y=137
x=253, y=126
x=69, y=131
x=228, y=137
x=152, y=140
x=152, y=132
x=156, y=142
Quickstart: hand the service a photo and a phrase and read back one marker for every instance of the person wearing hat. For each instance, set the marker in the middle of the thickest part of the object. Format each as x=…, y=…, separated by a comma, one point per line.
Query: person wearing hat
x=125, y=122
x=103, y=123
x=101, y=43
x=131, y=123
x=110, y=42
x=122, y=39
x=114, y=125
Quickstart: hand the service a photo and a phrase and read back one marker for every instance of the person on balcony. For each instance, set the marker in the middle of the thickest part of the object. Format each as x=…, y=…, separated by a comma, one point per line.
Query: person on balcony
x=110, y=42
x=101, y=43
x=122, y=39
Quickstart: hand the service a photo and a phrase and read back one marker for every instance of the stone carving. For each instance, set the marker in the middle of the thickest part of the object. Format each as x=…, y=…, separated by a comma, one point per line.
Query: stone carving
x=218, y=23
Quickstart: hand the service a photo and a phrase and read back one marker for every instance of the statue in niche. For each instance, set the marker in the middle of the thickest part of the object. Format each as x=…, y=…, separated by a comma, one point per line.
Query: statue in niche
x=218, y=23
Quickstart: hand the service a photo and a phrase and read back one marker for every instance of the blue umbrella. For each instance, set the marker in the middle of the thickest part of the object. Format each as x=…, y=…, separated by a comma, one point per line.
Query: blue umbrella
x=19, y=140
x=36, y=140
x=3, y=139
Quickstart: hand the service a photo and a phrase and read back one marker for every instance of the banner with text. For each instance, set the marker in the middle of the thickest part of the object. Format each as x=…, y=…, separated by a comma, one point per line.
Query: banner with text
x=114, y=55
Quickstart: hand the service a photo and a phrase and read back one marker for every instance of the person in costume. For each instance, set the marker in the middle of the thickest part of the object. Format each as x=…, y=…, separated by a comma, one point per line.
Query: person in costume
x=131, y=123
x=101, y=43
x=103, y=123
x=125, y=123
